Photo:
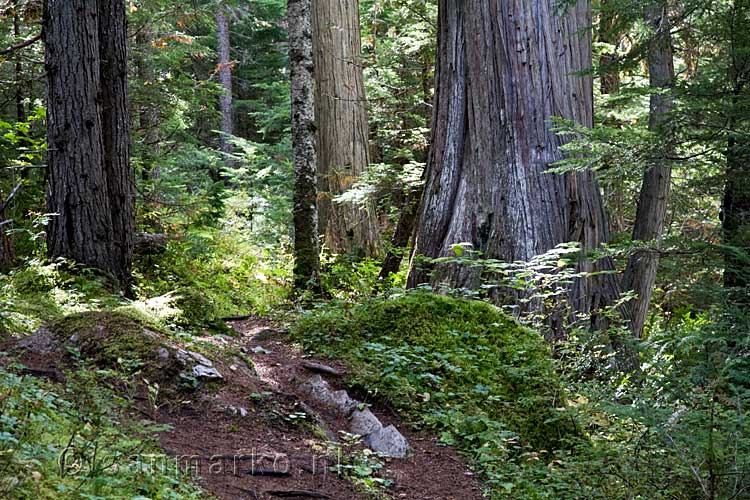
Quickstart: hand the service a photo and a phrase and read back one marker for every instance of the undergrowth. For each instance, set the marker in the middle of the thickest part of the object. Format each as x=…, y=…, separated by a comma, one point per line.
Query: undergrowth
x=463, y=368
x=77, y=442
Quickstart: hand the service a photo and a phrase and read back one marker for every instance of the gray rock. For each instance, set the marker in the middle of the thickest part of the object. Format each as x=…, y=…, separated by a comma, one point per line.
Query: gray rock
x=364, y=423
x=265, y=334
x=163, y=353
x=321, y=393
x=389, y=442
x=206, y=372
x=41, y=342
x=188, y=358
x=200, y=358
x=242, y=412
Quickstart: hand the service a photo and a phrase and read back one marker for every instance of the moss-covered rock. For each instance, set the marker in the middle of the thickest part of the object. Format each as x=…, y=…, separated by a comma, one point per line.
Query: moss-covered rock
x=461, y=366
x=129, y=344
x=110, y=339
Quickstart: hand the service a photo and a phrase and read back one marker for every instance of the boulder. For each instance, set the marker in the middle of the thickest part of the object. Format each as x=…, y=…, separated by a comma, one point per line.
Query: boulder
x=388, y=441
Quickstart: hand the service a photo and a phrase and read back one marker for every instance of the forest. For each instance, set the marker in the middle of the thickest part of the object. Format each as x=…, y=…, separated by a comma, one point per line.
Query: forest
x=375, y=249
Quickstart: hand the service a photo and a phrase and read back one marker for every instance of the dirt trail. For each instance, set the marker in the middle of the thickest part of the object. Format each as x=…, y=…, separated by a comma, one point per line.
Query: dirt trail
x=254, y=422
x=256, y=435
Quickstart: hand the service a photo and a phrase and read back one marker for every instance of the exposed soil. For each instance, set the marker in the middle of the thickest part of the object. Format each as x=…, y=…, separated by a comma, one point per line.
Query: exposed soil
x=431, y=472
x=255, y=436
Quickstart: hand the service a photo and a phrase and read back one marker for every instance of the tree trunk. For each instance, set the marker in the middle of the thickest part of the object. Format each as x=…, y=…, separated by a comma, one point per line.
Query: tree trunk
x=341, y=110
x=20, y=106
x=735, y=214
x=148, y=115
x=503, y=70
x=651, y=212
x=89, y=187
x=609, y=77
x=405, y=227
x=116, y=132
x=306, y=245
x=225, y=77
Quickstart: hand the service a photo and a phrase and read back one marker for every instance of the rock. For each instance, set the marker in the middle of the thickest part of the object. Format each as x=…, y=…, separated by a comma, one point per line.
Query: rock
x=163, y=353
x=265, y=334
x=321, y=392
x=199, y=365
x=242, y=412
x=364, y=423
x=388, y=441
x=206, y=372
x=260, y=350
x=39, y=342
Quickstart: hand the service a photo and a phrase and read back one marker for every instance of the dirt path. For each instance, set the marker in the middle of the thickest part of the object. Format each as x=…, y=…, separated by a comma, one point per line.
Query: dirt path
x=259, y=420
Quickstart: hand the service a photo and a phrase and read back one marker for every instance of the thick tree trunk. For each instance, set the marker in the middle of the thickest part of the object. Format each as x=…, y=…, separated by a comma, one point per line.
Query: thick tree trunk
x=225, y=77
x=341, y=111
x=651, y=212
x=116, y=132
x=306, y=245
x=89, y=186
x=504, y=69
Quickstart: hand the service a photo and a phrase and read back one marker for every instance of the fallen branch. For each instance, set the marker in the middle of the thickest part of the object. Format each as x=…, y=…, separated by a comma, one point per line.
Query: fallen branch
x=319, y=368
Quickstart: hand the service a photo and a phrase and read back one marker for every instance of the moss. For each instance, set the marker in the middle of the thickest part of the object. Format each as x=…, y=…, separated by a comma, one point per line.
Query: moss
x=113, y=339
x=462, y=366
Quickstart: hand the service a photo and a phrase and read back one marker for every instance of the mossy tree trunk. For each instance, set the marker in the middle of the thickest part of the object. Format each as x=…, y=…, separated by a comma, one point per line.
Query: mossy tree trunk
x=225, y=78
x=503, y=70
x=342, y=135
x=90, y=185
x=306, y=243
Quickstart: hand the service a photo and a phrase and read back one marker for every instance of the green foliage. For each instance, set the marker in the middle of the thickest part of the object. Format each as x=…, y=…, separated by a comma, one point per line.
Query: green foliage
x=74, y=442
x=39, y=292
x=461, y=367
x=214, y=274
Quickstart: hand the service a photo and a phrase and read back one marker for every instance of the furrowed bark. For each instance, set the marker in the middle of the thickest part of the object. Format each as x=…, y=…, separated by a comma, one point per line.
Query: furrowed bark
x=341, y=112
x=89, y=187
x=116, y=134
x=306, y=245
x=651, y=213
x=504, y=69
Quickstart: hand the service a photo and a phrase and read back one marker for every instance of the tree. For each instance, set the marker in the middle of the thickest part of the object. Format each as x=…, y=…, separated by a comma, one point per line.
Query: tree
x=90, y=185
x=503, y=70
x=306, y=245
x=651, y=213
x=735, y=214
x=225, y=77
x=343, y=149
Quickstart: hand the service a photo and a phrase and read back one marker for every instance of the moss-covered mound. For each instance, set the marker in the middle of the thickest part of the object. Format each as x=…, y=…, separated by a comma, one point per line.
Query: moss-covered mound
x=117, y=340
x=463, y=367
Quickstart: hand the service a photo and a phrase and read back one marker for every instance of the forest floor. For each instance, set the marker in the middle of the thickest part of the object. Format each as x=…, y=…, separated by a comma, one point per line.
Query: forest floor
x=257, y=435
